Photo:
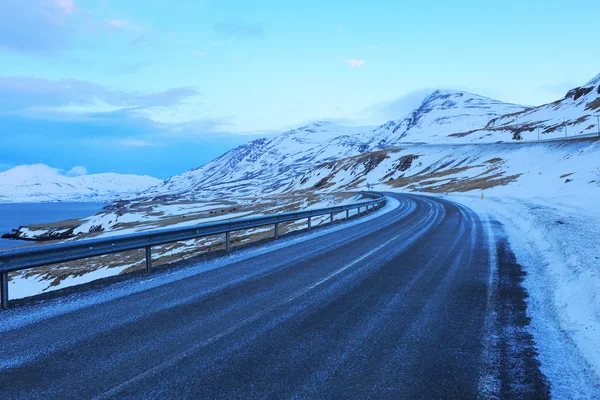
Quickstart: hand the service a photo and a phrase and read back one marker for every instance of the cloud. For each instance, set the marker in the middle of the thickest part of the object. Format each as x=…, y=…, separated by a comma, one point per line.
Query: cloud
x=198, y=53
x=355, y=63
x=48, y=27
x=198, y=127
x=123, y=24
x=238, y=30
x=397, y=108
x=68, y=6
x=119, y=141
x=136, y=143
x=372, y=48
x=39, y=27
x=118, y=23
x=21, y=93
x=77, y=171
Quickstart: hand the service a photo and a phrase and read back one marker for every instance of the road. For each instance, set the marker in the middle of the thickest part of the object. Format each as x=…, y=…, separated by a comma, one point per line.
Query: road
x=421, y=300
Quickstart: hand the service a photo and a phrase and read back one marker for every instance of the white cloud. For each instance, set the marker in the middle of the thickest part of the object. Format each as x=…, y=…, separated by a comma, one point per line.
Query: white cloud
x=123, y=24
x=198, y=53
x=356, y=63
x=136, y=143
x=68, y=6
x=77, y=171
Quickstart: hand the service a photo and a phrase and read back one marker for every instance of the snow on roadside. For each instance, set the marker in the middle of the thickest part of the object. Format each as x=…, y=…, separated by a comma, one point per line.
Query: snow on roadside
x=556, y=240
x=18, y=317
x=21, y=285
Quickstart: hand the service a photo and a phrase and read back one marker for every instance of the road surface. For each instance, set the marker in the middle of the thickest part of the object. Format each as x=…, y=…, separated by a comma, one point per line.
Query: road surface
x=421, y=300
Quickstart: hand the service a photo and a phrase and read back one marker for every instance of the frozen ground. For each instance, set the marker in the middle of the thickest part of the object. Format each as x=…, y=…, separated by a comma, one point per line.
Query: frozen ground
x=557, y=241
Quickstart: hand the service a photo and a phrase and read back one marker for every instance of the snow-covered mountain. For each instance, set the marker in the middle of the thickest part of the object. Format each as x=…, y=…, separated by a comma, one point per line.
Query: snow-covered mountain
x=441, y=114
x=266, y=162
x=41, y=183
x=574, y=115
x=444, y=118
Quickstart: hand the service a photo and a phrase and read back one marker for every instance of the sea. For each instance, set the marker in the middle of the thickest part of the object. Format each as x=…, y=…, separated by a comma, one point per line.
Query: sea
x=13, y=215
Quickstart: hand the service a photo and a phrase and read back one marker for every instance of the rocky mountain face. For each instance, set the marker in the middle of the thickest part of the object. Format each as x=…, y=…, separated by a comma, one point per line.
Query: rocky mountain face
x=291, y=160
x=41, y=183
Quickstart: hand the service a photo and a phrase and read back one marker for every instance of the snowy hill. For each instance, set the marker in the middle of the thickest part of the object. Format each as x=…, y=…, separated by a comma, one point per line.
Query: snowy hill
x=528, y=168
x=444, y=117
x=442, y=114
x=576, y=113
x=265, y=162
x=41, y=183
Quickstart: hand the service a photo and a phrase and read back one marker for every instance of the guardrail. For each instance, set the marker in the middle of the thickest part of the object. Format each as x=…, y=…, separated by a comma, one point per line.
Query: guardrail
x=36, y=256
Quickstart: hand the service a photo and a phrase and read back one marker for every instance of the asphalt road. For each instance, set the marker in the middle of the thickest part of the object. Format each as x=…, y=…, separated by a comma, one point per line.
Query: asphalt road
x=424, y=301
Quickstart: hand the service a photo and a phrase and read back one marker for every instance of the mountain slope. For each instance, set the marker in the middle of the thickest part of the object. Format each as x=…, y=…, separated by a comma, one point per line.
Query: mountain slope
x=41, y=183
x=573, y=115
x=442, y=113
x=444, y=117
x=529, y=169
x=265, y=164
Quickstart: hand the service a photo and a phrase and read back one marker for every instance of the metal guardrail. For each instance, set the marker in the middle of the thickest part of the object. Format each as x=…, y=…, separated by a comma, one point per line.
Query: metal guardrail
x=31, y=257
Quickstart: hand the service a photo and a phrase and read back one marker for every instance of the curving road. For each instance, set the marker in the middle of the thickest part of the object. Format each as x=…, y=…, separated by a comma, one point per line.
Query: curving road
x=420, y=300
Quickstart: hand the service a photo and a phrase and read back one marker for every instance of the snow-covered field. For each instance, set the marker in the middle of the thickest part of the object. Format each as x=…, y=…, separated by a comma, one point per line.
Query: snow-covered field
x=556, y=239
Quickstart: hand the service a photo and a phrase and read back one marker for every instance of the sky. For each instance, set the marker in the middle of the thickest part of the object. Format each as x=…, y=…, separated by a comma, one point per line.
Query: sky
x=160, y=86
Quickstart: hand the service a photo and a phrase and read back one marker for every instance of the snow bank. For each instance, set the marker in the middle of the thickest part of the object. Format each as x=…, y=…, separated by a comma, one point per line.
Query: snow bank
x=556, y=240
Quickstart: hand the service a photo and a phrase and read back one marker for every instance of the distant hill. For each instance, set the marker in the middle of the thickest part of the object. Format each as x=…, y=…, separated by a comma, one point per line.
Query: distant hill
x=41, y=183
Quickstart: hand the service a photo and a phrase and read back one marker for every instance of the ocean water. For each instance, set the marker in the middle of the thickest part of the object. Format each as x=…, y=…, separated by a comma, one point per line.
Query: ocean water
x=13, y=215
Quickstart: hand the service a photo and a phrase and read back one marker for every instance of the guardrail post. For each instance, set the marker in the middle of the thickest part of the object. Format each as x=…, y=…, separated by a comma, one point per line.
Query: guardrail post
x=4, y=290
x=347, y=214
x=358, y=212
x=309, y=223
x=228, y=242
x=148, y=259
x=331, y=218
x=276, y=231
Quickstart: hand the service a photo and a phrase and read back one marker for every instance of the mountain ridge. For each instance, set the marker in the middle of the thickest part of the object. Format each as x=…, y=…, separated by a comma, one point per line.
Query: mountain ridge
x=443, y=117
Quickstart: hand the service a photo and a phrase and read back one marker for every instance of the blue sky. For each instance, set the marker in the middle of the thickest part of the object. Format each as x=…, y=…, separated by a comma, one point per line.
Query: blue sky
x=160, y=86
